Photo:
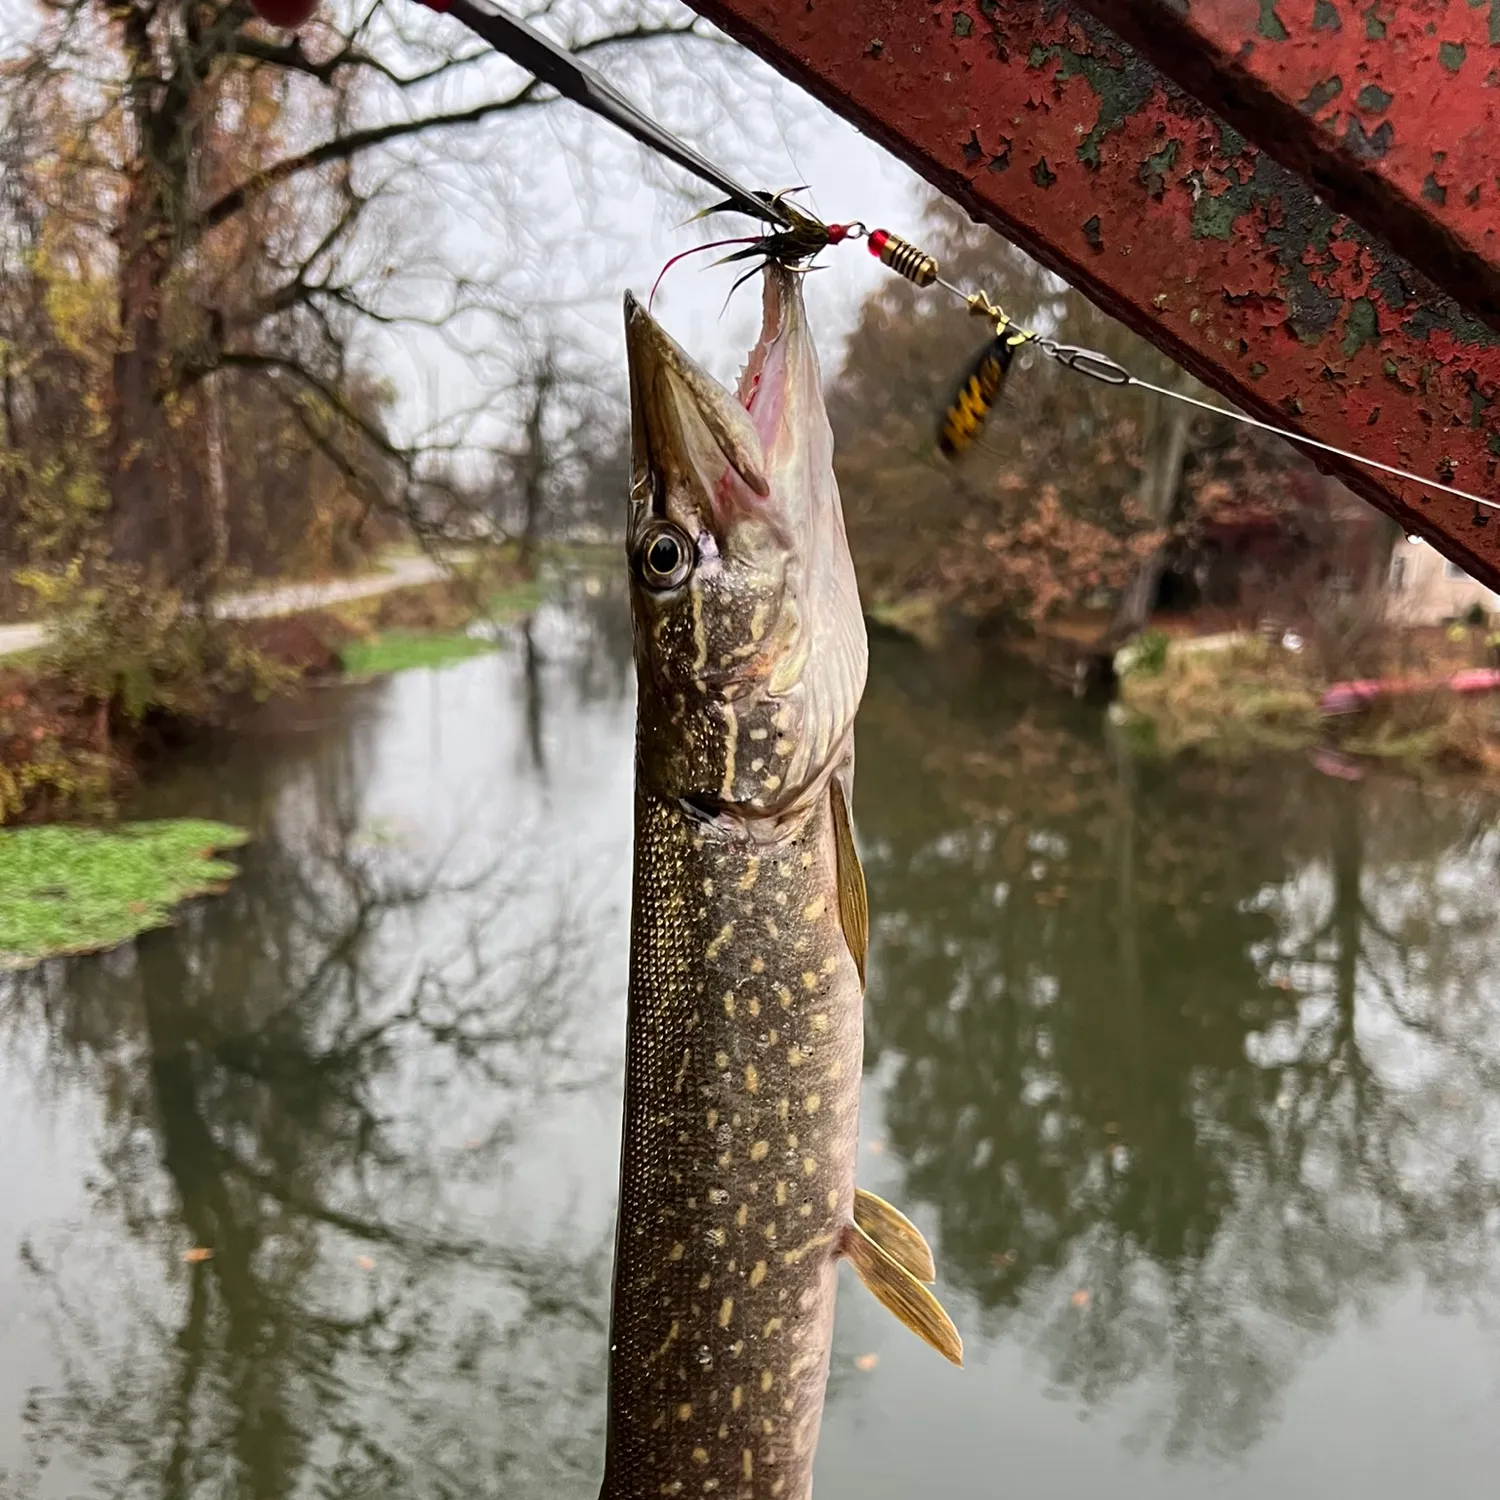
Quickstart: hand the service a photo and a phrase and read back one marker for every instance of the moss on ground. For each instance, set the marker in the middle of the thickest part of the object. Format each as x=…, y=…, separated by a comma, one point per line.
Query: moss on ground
x=403, y=650
x=515, y=601
x=65, y=889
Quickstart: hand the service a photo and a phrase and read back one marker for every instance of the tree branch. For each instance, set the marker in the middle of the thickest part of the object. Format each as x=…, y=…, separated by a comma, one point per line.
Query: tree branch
x=345, y=148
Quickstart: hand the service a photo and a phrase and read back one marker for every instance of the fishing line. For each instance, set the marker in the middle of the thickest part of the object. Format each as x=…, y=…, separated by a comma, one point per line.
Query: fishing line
x=796, y=238
x=1100, y=367
x=1297, y=437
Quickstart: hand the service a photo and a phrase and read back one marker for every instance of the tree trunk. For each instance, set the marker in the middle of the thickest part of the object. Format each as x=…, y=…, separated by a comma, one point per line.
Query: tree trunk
x=1160, y=498
x=137, y=468
x=1161, y=489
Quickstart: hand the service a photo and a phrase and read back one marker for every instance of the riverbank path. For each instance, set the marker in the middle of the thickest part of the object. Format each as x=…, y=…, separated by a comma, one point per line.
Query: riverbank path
x=399, y=572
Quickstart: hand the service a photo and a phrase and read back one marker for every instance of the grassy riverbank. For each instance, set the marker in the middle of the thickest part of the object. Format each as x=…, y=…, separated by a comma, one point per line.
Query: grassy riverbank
x=82, y=716
x=1250, y=696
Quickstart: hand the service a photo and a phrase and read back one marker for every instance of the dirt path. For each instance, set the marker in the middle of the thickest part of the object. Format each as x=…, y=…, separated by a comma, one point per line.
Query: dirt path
x=284, y=599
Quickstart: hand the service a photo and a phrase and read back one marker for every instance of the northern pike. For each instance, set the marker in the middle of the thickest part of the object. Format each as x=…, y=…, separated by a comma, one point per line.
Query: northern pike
x=749, y=926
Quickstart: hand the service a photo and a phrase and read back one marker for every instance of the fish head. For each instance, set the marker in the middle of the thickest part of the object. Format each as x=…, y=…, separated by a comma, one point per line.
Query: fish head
x=749, y=639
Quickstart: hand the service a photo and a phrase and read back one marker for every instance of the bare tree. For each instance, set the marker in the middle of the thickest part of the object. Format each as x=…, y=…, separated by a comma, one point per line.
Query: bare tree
x=262, y=210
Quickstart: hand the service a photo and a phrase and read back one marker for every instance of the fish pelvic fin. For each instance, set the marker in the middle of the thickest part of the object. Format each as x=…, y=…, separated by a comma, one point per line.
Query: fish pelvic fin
x=895, y=1234
x=900, y=1292
x=854, y=903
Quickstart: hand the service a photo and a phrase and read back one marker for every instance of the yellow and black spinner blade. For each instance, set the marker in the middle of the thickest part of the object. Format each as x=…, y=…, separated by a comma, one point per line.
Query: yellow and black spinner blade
x=977, y=392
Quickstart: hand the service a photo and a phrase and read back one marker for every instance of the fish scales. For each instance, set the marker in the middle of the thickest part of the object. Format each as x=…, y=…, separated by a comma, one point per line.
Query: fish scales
x=748, y=935
x=743, y=1065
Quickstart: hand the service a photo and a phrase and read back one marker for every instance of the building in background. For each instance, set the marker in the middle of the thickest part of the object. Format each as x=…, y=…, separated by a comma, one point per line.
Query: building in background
x=1427, y=589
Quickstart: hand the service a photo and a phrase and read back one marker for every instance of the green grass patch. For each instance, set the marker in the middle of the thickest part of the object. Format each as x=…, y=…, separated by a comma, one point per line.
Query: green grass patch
x=79, y=890
x=404, y=650
x=516, y=601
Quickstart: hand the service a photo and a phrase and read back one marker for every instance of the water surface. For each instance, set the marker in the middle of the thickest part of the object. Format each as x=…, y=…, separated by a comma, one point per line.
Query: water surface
x=1191, y=1074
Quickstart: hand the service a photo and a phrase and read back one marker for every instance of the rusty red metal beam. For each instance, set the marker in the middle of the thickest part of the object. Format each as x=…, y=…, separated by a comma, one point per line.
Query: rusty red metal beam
x=1390, y=109
x=1042, y=122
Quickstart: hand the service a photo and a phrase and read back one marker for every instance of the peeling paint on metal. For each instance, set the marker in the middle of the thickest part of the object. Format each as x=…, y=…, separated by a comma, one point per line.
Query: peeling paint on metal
x=1169, y=218
x=1359, y=109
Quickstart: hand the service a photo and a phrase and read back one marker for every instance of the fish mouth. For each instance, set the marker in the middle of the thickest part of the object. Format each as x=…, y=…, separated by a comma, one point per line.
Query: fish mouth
x=701, y=454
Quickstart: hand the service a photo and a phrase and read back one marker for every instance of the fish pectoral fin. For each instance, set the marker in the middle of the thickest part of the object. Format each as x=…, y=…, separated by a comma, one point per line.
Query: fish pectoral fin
x=854, y=904
x=894, y=1233
x=901, y=1293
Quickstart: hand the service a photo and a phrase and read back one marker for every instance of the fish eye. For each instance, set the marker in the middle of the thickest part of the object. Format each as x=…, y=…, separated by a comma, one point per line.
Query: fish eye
x=666, y=557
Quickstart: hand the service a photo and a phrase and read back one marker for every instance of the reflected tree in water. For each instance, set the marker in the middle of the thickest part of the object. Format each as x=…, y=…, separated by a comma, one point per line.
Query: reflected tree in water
x=316, y=1079
x=1187, y=1065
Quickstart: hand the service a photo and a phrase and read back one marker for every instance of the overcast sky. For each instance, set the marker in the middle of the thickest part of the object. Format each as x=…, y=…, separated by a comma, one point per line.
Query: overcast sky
x=618, y=227
x=563, y=208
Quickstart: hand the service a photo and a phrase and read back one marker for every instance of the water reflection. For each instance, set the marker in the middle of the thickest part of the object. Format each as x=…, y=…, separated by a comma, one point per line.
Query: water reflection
x=1189, y=1061
x=1187, y=1069
x=298, y=1269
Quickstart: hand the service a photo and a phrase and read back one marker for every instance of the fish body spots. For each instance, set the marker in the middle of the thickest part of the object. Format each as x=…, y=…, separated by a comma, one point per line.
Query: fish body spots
x=741, y=1138
x=700, y=1455
x=685, y=1412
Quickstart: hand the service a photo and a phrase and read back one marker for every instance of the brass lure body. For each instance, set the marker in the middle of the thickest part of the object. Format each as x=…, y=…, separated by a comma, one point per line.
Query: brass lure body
x=748, y=936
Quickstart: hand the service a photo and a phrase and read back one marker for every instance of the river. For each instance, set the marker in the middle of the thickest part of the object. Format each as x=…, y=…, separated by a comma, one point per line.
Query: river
x=1190, y=1072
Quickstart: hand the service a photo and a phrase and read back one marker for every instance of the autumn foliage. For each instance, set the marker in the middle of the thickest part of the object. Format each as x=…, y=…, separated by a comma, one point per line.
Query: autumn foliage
x=1073, y=486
